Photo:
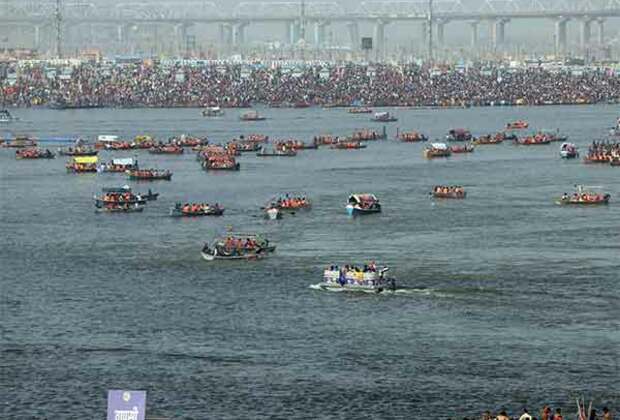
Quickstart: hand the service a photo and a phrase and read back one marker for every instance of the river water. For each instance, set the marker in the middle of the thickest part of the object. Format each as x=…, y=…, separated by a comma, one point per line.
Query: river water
x=515, y=300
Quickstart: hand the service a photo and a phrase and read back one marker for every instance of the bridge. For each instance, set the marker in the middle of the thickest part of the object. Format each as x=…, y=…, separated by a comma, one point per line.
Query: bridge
x=309, y=20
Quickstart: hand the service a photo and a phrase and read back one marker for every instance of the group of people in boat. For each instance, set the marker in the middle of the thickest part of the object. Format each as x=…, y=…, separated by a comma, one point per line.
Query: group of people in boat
x=583, y=197
x=33, y=153
x=198, y=208
x=292, y=203
x=603, y=152
x=547, y=413
x=119, y=197
x=149, y=173
x=452, y=190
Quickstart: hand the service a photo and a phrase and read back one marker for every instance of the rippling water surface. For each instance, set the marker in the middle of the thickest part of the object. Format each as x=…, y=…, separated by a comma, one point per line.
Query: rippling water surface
x=515, y=300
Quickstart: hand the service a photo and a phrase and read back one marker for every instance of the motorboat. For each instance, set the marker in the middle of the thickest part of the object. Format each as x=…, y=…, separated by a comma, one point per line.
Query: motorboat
x=568, y=151
x=252, y=116
x=118, y=165
x=383, y=117
x=120, y=208
x=353, y=279
x=459, y=134
x=435, y=150
x=212, y=111
x=166, y=149
x=360, y=204
x=118, y=196
x=360, y=110
x=348, y=145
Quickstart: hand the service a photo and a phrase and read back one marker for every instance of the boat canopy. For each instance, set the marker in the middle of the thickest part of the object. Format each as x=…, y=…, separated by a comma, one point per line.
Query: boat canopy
x=382, y=114
x=439, y=146
x=85, y=159
x=107, y=138
x=359, y=198
x=124, y=161
x=459, y=131
x=123, y=189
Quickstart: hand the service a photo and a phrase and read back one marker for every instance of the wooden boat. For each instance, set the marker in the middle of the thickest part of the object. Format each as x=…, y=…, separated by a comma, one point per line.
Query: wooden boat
x=360, y=110
x=120, y=208
x=78, y=151
x=258, y=138
x=220, y=163
x=348, y=145
x=168, y=149
x=325, y=140
x=34, y=153
x=244, y=146
x=294, y=145
x=251, y=116
x=276, y=153
x=536, y=140
x=568, y=151
x=582, y=197
x=410, y=136
x=435, y=150
x=368, y=135
x=361, y=204
x=237, y=246
x=193, y=210
x=290, y=202
x=517, y=125
x=453, y=192
x=466, y=148
x=20, y=142
x=597, y=158
x=188, y=141
x=383, y=117
x=489, y=139
x=120, y=197
x=149, y=175
x=458, y=134
x=82, y=164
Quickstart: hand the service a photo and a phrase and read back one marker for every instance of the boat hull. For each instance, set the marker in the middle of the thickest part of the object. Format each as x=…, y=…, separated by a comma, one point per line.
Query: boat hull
x=355, y=211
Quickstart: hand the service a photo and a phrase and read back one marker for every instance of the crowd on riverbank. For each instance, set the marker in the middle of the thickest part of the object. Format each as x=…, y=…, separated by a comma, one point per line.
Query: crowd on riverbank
x=546, y=413
x=228, y=85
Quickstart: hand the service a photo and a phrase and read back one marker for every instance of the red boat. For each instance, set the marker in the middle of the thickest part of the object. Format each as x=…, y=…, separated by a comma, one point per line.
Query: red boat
x=360, y=110
x=440, y=191
x=517, y=125
x=169, y=149
x=348, y=145
x=294, y=145
x=149, y=175
x=410, y=136
x=325, y=140
x=466, y=148
x=33, y=153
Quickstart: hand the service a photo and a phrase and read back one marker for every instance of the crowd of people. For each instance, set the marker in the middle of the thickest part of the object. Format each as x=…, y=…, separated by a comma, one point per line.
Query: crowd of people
x=236, y=85
x=547, y=413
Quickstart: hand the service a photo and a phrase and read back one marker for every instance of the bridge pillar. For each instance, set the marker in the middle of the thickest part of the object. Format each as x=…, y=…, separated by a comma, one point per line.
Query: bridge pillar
x=440, y=32
x=319, y=33
x=561, y=35
x=585, y=34
x=295, y=32
x=424, y=33
x=226, y=34
x=499, y=34
x=37, y=37
x=379, y=36
x=180, y=38
x=474, y=34
x=601, y=31
x=354, y=35
x=238, y=33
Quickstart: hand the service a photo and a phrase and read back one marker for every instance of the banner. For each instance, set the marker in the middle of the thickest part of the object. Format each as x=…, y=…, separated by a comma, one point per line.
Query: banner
x=85, y=159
